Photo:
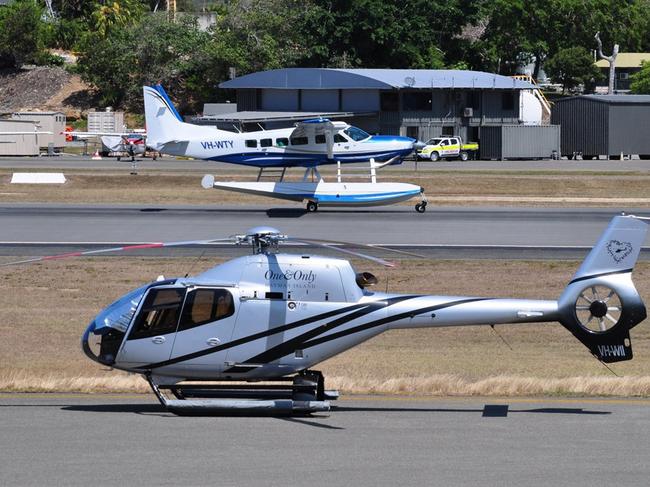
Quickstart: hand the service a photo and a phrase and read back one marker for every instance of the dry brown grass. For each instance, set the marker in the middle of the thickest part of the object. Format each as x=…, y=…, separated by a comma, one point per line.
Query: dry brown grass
x=450, y=188
x=45, y=308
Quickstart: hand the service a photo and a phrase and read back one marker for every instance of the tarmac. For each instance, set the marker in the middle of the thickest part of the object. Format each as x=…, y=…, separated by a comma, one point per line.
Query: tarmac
x=74, y=439
x=69, y=161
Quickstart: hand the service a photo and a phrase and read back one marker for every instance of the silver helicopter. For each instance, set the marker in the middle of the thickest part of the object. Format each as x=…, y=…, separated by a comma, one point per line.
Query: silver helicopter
x=259, y=323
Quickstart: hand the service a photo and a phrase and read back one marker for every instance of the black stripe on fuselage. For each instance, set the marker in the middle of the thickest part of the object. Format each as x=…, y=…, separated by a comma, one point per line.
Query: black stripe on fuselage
x=309, y=339
x=602, y=274
x=264, y=334
x=388, y=319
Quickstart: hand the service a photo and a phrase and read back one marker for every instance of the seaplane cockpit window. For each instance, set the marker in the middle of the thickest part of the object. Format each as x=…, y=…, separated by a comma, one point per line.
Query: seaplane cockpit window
x=356, y=134
x=298, y=140
x=251, y=143
x=339, y=139
x=320, y=138
x=282, y=142
x=205, y=306
x=266, y=142
x=159, y=313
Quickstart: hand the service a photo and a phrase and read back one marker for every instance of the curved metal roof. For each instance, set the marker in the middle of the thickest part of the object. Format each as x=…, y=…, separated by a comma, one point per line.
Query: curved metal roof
x=330, y=78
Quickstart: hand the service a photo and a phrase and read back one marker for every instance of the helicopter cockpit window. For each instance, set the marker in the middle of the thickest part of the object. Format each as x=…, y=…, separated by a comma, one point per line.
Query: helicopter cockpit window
x=159, y=313
x=205, y=306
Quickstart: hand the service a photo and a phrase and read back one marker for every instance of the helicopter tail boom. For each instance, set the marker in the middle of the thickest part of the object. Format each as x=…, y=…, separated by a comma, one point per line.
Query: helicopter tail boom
x=600, y=305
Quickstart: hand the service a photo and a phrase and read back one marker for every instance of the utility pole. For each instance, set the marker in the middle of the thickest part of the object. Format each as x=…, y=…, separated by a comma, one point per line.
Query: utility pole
x=611, y=60
x=171, y=10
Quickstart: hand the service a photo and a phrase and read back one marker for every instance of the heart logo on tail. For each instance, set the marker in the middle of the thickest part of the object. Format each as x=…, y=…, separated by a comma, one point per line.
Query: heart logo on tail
x=619, y=250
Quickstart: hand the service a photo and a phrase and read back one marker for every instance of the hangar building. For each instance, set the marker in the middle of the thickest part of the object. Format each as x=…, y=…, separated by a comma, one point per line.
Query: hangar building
x=419, y=103
x=609, y=125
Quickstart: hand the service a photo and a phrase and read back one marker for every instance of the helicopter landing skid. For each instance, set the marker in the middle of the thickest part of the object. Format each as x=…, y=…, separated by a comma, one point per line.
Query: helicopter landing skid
x=301, y=394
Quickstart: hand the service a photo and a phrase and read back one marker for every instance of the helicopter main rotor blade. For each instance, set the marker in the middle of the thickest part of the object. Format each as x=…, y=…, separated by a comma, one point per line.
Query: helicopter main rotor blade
x=365, y=246
x=153, y=245
x=322, y=243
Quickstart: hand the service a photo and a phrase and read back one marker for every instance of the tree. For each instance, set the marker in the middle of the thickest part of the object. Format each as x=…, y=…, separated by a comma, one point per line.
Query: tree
x=116, y=15
x=572, y=67
x=386, y=34
x=20, y=32
x=641, y=80
x=152, y=51
x=521, y=31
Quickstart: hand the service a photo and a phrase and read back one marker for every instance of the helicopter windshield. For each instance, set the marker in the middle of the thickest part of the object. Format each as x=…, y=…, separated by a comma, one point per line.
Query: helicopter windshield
x=119, y=314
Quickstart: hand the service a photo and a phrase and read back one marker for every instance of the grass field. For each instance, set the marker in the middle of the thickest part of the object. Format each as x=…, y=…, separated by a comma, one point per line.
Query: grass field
x=45, y=308
x=442, y=187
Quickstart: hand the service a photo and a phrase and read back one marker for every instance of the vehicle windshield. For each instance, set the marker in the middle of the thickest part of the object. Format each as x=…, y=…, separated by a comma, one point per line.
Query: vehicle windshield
x=356, y=134
x=435, y=141
x=119, y=314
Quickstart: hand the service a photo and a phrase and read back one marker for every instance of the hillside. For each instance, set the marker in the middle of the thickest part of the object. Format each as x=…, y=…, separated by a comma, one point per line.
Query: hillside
x=44, y=88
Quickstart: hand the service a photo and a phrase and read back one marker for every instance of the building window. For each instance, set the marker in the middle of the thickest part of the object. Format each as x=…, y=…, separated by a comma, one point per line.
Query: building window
x=266, y=142
x=473, y=99
x=389, y=101
x=251, y=143
x=508, y=100
x=416, y=101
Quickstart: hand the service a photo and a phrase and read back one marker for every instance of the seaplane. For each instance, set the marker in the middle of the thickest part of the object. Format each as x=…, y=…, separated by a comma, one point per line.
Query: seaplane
x=309, y=144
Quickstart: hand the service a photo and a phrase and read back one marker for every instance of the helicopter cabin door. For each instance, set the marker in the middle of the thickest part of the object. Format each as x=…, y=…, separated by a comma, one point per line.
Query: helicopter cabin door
x=151, y=336
x=205, y=327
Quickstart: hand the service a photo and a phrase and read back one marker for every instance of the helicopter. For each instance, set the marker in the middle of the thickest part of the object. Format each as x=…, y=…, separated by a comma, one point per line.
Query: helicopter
x=259, y=323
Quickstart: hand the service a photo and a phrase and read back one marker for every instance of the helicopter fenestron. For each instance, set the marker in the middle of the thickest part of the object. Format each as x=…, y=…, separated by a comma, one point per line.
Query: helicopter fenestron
x=265, y=320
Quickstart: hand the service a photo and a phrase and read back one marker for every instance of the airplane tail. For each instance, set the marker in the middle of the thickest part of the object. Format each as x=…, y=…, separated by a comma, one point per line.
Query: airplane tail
x=163, y=122
x=600, y=305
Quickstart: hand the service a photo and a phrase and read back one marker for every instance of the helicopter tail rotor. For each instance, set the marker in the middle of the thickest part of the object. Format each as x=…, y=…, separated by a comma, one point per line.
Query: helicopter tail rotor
x=600, y=305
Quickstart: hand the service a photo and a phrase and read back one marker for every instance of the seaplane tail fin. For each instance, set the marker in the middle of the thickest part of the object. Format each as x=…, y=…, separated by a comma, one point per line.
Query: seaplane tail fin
x=600, y=305
x=164, y=124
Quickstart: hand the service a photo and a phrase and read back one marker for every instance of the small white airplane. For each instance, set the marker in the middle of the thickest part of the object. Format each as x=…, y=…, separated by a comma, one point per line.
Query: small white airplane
x=309, y=144
x=132, y=143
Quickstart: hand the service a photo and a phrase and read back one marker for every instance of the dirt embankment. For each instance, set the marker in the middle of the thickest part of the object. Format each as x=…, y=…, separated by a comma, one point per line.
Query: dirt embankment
x=44, y=88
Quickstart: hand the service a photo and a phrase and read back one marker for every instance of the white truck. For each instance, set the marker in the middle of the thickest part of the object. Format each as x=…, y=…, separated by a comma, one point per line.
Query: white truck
x=448, y=148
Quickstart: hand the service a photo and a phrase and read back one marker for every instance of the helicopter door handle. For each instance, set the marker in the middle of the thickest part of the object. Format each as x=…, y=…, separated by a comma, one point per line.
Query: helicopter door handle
x=213, y=342
x=158, y=340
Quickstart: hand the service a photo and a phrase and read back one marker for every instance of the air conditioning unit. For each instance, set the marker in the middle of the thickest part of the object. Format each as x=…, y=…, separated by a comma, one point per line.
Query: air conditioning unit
x=468, y=112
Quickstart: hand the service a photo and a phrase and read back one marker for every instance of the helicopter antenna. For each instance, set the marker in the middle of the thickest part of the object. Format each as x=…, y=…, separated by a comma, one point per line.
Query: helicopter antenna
x=196, y=261
x=608, y=367
x=502, y=339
